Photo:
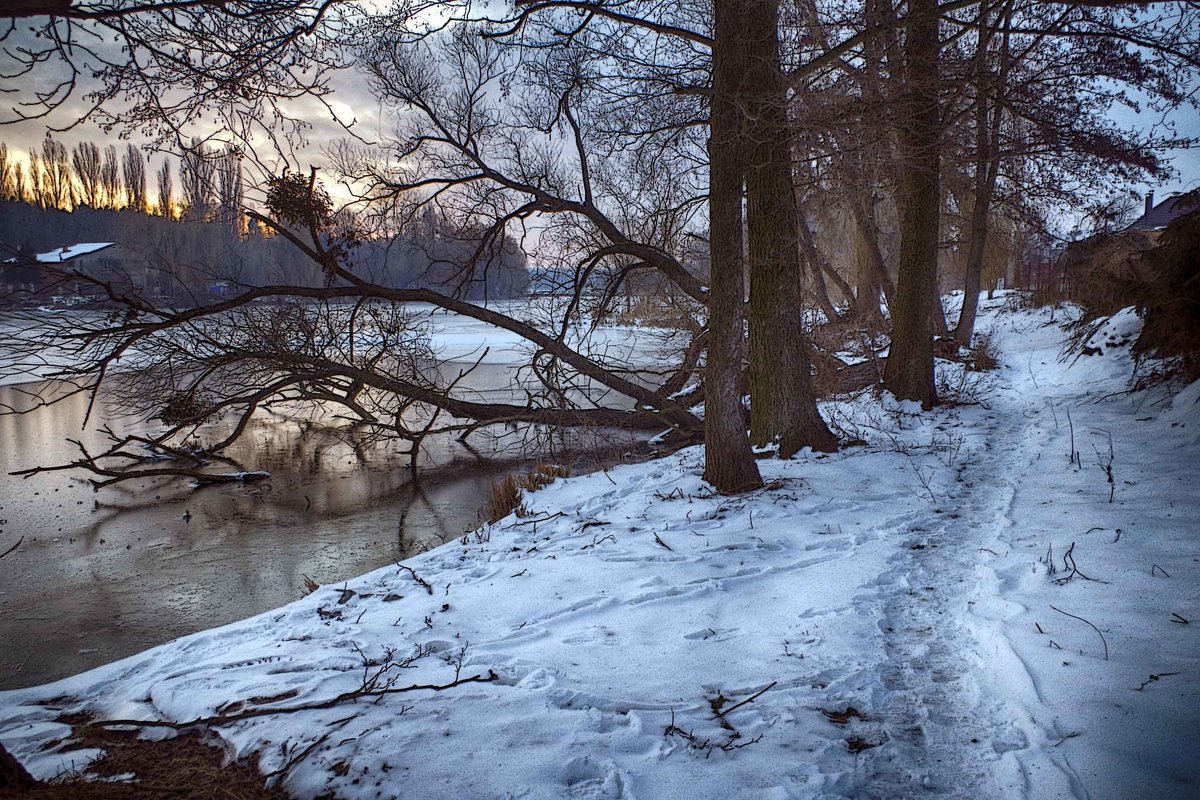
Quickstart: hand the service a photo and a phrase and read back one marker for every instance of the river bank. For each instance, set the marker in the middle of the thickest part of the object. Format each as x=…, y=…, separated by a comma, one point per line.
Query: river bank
x=897, y=619
x=99, y=576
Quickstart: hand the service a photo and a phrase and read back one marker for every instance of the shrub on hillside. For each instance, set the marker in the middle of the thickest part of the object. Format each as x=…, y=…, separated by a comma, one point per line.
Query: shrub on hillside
x=1169, y=300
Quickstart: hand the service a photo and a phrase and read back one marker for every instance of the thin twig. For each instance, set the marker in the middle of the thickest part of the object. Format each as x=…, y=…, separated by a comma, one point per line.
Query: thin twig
x=749, y=699
x=1153, y=678
x=1097, y=630
x=415, y=577
x=14, y=547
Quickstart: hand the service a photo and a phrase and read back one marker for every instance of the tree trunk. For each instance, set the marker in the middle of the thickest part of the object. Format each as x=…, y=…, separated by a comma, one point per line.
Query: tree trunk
x=783, y=408
x=821, y=268
x=728, y=462
x=937, y=312
x=987, y=168
x=820, y=289
x=978, y=233
x=875, y=278
x=909, y=370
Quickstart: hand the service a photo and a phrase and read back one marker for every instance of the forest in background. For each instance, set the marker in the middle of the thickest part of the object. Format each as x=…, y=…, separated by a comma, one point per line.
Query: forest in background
x=202, y=232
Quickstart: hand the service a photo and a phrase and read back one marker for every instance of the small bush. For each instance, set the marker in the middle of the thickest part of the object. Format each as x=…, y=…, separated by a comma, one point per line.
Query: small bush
x=504, y=498
x=983, y=356
x=1170, y=300
x=542, y=475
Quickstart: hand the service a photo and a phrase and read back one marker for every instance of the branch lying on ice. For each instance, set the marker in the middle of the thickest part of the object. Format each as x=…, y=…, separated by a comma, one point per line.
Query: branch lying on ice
x=130, y=466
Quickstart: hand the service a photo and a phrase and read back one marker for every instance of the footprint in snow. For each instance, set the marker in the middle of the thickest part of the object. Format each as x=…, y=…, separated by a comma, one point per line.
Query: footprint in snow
x=586, y=778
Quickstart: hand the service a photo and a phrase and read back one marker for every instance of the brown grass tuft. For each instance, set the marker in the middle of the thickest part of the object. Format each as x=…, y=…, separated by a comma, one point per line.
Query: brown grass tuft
x=542, y=475
x=504, y=498
x=983, y=356
x=188, y=766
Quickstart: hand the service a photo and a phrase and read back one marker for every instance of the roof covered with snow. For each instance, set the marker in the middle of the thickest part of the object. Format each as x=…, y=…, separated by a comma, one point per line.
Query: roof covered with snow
x=70, y=251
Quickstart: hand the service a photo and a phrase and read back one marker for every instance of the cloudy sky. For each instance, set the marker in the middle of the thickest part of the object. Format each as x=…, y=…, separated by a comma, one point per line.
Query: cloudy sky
x=352, y=102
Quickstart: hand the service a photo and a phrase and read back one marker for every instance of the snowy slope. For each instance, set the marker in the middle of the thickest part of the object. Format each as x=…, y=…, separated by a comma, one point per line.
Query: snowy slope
x=886, y=611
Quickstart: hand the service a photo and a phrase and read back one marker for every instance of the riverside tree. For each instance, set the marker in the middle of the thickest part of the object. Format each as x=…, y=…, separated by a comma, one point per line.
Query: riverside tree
x=623, y=132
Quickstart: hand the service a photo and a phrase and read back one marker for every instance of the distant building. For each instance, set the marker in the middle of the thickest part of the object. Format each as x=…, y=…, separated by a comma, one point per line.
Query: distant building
x=1157, y=217
x=19, y=275
x=65, y=271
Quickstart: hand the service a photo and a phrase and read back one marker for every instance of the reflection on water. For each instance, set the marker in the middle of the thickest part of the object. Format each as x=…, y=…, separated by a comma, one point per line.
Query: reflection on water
x=103, y=575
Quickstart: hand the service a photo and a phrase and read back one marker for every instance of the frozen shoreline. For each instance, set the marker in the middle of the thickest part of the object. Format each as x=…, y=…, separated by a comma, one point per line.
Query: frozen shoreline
x=889, y=609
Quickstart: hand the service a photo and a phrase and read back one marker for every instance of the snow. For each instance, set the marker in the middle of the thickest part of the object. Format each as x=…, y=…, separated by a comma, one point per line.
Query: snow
x=456, y=338
x=888, y=608
x=67, y=252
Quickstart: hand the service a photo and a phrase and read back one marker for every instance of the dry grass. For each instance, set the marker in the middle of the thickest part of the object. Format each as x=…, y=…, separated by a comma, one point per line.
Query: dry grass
x=654, y=312
x=184, y=767
x=542, y=475
x=504, y=498
x=983, y=356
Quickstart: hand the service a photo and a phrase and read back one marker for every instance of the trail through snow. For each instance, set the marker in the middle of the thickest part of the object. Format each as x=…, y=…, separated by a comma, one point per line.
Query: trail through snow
x=873, y=624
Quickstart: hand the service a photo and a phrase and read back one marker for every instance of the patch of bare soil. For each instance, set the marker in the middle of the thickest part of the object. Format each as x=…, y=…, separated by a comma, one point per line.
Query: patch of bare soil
x=183, y=768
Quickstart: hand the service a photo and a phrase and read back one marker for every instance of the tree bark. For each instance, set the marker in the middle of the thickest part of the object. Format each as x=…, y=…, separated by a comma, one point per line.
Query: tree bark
x=937, y=312
x=965, y=329
x=987, y=169
x=909, y=370
x=728, y=462
x=783, y=408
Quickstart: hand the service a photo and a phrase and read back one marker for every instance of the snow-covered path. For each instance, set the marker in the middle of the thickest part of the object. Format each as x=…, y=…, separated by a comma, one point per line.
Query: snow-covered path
x=873, y=624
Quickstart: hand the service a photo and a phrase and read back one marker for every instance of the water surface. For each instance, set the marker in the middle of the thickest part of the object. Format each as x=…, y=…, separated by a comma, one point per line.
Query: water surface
x=102, y=575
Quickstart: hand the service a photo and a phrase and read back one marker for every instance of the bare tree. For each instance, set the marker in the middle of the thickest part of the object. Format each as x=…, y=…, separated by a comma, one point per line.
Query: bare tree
x=729, y=464
x=37, y=185
x=231, y=191
x=8, y=176
x=197, y=181
x=166, y=189
x=1036, y=110
x=133, y=168
x=163, y=66
x=110, y=178
x=57, y=183
x=85, y=159
x=783, y=405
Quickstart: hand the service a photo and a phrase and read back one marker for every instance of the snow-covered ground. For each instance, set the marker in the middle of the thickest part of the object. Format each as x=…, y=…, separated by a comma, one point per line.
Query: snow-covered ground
x=899, y=619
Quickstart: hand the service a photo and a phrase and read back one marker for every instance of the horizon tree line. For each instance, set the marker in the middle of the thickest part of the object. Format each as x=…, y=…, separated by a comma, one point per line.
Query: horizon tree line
x=210, y=180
